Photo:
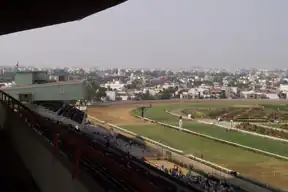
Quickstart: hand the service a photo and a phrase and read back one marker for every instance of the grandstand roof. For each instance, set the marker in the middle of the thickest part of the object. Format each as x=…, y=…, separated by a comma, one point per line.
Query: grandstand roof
x=18, y=16
x=58, y=83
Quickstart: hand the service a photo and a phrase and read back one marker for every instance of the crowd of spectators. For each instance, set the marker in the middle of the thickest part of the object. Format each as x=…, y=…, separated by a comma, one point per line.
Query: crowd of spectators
x=207, y=184
x=72, y=113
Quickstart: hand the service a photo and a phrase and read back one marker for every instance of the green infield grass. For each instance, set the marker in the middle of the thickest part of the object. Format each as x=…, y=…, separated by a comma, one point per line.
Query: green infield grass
x=264, y=168
x=269, y=145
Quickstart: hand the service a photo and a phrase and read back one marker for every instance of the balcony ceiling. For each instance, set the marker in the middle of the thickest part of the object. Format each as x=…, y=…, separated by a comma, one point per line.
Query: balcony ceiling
x=23, y=15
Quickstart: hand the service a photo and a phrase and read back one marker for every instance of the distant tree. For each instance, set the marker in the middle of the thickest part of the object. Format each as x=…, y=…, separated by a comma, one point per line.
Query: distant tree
x=91, y=91
x=94, y=91
x=243, y=85
x=165, y=94
x=109, y=88
x=101, y=92
x=206, y=82
x=136, y=84
x=222, y=94
x=145, y=96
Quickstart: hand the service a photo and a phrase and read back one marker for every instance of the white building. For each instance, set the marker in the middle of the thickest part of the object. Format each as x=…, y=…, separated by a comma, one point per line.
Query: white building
x=111, y=95
x=115, y=85
x=283, y=88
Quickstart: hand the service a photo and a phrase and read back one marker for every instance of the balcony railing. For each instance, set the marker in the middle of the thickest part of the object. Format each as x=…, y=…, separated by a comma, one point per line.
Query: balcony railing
x=80, y=149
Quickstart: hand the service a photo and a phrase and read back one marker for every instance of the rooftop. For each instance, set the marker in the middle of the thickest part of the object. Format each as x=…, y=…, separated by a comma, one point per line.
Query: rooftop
x=73, y=82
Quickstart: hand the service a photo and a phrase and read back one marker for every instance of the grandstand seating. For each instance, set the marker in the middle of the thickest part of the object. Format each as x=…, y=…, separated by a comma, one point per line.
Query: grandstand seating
x=52, y=105
x=81, y=150
x=64, y=110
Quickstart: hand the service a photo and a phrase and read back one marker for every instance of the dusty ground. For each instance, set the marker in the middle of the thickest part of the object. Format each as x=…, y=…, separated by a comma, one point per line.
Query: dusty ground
x=120, y=114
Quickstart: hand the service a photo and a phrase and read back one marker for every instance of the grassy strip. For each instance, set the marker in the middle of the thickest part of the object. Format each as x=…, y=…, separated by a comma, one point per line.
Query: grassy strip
x=273, y=146
x=224, y=155
x=269, y=145
x=198, y=146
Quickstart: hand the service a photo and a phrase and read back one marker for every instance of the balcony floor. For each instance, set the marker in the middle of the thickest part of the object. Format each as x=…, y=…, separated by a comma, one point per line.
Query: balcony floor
x=14, y=176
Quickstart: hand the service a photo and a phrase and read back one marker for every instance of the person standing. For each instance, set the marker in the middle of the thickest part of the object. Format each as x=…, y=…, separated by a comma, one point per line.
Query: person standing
x=180, y=123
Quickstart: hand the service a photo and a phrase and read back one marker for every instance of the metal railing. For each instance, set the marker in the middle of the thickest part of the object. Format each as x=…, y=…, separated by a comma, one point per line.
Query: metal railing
x=87, y=155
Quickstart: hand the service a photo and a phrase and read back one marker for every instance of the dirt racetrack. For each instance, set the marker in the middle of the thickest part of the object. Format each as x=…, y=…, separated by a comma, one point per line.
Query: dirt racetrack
x=121, y=114
x=273, y=172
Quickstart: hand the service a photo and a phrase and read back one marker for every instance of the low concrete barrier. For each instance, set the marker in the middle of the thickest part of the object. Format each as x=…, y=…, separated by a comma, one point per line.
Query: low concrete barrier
x=142, y=137
x=214, y=165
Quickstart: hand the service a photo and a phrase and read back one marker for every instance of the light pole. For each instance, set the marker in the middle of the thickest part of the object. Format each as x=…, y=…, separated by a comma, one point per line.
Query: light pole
x=144, y=109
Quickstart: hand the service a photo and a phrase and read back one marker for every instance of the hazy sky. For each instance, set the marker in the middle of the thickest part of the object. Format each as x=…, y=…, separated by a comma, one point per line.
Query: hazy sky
x=161, y=33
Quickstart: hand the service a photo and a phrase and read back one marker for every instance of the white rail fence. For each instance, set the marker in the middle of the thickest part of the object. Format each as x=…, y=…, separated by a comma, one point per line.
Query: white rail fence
x=238, y=130
x=217, y=139
x=140, y=137
x=205, y=162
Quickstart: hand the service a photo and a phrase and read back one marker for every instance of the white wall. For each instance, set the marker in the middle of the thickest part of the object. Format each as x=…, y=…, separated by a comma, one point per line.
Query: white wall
x=111, y=95
x=49, y=173
x=283, y=88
